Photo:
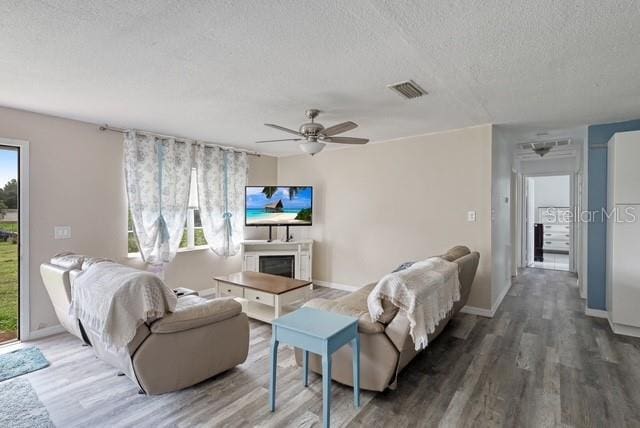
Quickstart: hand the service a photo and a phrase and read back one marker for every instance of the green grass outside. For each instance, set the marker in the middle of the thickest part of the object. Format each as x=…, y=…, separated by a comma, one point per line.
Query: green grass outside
x=9, y=226
x=8, y=289
x=132, y=244
x=199, y=237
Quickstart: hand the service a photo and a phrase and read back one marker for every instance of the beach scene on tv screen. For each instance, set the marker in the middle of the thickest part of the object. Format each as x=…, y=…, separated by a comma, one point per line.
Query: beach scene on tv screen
x=278, y=205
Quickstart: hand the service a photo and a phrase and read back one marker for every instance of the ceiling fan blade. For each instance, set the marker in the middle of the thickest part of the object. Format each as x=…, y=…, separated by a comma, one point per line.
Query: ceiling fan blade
x=282, y=128
x=339, y=128
x=275, y=141
x=346, y=140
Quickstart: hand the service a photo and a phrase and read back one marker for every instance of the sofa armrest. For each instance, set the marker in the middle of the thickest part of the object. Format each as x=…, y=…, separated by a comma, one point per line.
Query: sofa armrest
x=193, y=311
x=398, y=332
x=365, y=324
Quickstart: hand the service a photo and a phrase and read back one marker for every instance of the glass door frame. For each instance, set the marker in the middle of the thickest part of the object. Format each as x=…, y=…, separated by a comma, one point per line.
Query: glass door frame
x=24, y=312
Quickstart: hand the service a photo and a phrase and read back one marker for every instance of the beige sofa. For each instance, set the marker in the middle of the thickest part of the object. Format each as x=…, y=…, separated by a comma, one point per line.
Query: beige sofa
x=386, y=347
x=199, y=340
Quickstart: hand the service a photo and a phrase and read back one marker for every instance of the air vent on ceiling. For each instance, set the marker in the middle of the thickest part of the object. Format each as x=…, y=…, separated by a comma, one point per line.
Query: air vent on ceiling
x=408, y=89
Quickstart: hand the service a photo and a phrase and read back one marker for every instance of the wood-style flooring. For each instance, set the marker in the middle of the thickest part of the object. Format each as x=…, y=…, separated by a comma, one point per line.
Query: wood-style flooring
x=540, y=362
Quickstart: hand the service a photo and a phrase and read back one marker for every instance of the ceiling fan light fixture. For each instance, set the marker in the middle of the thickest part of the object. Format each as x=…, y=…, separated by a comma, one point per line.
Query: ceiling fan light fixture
x=312, y=147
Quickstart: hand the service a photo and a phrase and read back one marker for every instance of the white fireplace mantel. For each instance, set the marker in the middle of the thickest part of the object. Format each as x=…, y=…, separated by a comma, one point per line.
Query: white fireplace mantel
x=302, y=250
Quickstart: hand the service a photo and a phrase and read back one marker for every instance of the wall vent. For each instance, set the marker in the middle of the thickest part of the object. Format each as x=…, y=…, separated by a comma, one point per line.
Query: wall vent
x=408, y=89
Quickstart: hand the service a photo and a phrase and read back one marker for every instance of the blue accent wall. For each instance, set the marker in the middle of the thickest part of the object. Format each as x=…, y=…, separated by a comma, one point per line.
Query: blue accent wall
x=597, y=199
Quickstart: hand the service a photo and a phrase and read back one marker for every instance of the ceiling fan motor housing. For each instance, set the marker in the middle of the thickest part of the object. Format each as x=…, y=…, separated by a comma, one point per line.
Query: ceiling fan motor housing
x=311, y=128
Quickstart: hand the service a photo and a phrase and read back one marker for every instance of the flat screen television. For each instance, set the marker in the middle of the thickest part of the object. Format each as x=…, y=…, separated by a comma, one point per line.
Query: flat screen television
x=278, y=206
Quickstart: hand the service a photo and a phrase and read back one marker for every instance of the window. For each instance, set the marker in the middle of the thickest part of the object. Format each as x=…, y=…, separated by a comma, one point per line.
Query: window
x=132, y=243
x=193, y=235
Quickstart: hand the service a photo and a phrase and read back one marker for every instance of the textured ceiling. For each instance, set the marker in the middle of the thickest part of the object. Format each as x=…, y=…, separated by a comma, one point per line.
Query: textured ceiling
x=219, y=70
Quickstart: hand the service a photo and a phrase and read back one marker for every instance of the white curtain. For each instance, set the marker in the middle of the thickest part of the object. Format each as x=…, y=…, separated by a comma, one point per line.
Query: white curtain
x=222, y=177
x=157, y=173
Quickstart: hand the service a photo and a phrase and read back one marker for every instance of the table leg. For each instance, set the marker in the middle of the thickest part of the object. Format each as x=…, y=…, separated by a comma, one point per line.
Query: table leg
x=274, y=364
x=326, y=388
x=355, y=344
x=305, y=366
x=277, y=307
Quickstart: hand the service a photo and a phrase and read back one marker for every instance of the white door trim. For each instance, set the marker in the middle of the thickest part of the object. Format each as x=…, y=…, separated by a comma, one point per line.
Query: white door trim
x=573, y=177
x=23, y=182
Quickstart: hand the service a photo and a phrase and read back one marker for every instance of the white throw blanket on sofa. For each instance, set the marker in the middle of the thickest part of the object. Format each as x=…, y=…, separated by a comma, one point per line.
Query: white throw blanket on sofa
x=113, y=300
x=426, y=291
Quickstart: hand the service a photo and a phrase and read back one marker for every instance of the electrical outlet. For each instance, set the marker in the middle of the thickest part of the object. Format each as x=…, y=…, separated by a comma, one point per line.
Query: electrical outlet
x=62, y=232
x=471, y=216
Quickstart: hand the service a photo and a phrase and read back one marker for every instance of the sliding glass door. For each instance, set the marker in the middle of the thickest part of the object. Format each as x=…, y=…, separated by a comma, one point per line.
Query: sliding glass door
x=9, y=243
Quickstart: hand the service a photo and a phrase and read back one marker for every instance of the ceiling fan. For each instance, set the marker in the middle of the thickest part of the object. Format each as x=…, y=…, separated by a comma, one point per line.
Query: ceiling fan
x=314, y=136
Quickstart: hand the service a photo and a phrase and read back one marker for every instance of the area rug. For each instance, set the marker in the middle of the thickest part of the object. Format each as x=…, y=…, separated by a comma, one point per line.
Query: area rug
x=20, y=406
x=21, y=361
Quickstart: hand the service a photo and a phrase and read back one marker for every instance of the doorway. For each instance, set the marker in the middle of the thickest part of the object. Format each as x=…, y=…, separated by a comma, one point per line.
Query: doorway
x=9, y=243
x=548, y=222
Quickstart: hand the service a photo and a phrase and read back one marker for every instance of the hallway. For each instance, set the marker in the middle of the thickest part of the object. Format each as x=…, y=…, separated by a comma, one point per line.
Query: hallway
x=539, y=362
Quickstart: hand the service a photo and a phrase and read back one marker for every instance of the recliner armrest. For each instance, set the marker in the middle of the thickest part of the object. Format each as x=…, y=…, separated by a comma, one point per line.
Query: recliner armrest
x=193, y=311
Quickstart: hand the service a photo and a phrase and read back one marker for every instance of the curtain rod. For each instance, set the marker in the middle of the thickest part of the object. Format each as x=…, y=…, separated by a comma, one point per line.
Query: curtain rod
x=106, y=127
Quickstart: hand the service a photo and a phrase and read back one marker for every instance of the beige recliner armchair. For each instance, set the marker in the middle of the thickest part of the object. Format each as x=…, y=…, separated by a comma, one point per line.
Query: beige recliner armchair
x=199, y=340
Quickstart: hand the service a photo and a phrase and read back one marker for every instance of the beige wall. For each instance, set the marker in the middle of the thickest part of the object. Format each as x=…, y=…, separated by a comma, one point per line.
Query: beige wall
x=375, y=206
x=76, y=179
x=379, y=205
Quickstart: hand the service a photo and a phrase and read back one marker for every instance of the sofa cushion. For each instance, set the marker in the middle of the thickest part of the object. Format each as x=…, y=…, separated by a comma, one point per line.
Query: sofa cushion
x=194, y=311
x=68, y=260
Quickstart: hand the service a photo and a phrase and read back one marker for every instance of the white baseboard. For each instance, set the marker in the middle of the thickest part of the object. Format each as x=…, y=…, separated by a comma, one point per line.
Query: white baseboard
x=625, y=330
x=487, y=313
x=44, y=332
x=498, y=302
x=597, y=313
x=336, y=285
x=472, y=310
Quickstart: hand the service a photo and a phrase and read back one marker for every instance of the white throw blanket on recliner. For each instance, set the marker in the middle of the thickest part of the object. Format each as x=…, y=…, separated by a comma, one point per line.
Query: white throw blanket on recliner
x=426, y=291
x=113, y=300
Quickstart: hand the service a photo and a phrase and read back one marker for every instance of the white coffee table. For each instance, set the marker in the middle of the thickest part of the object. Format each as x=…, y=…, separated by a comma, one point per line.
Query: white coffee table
x=263, y=296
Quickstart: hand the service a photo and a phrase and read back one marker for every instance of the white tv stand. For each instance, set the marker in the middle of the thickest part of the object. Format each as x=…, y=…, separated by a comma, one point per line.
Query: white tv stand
x=302, y=250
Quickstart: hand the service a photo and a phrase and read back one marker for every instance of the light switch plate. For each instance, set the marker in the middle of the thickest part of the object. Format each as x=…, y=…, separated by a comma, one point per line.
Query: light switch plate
x=62, y=232
x=471, y=216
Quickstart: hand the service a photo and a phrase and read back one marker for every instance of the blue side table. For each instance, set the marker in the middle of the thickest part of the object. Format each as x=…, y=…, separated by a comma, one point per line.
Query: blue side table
x=322, y=333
